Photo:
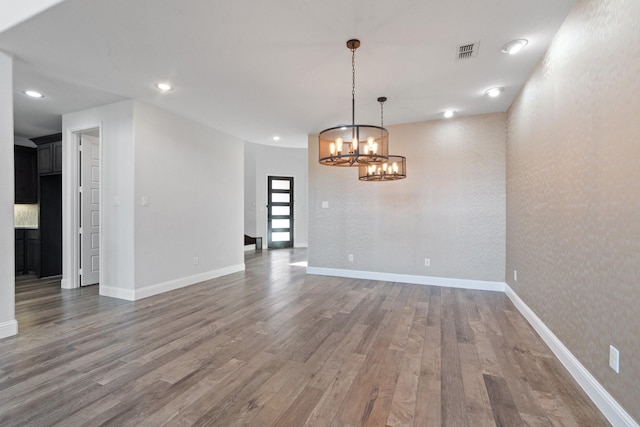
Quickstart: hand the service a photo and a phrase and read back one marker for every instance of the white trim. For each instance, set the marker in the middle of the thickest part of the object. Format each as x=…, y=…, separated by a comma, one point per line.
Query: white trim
x=148, y=291
x=300, y=245
x=171, y=285
x=8, y=329
x=445, y=282
x=603, y=400
x=113, y=292
x=251, y=247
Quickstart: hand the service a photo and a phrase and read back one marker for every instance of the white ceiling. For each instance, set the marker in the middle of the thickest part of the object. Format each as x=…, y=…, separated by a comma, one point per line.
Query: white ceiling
x=254, y=69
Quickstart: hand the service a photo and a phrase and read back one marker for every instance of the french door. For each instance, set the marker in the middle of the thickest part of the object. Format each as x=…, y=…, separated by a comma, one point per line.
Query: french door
x=279, y=212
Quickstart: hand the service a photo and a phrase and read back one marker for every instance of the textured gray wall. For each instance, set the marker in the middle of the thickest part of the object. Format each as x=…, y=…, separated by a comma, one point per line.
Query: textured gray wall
x=573, y=191
x=451, y=208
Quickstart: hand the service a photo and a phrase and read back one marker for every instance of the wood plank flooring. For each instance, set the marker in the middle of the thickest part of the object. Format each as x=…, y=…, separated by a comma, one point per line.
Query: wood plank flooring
x=272, y=346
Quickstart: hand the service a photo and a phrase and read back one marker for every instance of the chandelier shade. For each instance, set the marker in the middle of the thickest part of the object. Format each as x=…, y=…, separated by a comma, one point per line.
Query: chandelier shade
x=353, y=145
x=393, y=169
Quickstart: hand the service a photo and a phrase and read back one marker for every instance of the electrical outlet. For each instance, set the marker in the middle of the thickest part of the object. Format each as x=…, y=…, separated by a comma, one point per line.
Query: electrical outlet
x=427, y=262
x=614, y=359
x=195, y=260
x=515, y=275
x=350, y=257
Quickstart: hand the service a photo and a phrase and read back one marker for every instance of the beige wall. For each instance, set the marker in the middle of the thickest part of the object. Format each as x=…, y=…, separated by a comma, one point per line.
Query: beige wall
x=573, y=191
x=451, y=207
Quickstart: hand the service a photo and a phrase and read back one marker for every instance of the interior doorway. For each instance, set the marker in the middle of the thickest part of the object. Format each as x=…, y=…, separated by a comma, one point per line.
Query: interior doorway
x=280, y=212
x=88, y=143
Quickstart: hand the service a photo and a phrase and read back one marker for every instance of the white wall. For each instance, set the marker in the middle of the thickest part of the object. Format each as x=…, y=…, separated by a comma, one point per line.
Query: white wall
x=192, y=177
x=276, y=161
x=117, y=226
x=250, y=206
x=450, y=209
x=14, y=12
x=8, y=324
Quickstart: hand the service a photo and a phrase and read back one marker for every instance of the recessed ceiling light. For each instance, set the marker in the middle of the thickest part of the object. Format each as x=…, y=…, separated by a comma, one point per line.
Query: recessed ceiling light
x=165, y=87
x=276, y=138
x=33, y=93
x=449, y=113
x=494, y=91
x=514, y=46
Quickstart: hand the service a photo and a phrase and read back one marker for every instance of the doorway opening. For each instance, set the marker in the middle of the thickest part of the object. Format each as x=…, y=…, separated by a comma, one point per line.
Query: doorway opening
x=280, y=212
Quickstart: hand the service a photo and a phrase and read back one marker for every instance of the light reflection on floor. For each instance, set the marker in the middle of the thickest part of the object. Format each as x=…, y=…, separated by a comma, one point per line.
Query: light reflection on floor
x=299, y=264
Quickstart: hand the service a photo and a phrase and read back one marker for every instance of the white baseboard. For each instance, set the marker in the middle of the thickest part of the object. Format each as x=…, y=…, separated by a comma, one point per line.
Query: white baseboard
x=8, y=329
x=603, y=400
x=171, y=285
x=444, y=282
x=148, y=291
x=120, y=293
x=248, y=248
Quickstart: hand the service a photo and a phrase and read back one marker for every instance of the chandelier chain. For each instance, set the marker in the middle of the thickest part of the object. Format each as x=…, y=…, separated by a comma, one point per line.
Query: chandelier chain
x=353, y=85
x=353, y=73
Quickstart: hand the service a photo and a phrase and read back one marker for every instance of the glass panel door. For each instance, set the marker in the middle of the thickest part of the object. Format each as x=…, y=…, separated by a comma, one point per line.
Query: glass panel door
x=279, y=212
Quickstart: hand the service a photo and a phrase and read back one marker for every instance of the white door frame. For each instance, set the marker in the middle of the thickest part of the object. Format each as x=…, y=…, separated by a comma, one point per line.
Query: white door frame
x=71, y=204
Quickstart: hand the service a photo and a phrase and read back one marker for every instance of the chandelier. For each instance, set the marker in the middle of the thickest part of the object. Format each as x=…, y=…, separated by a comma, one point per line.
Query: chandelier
x=394, y=168
x=353, y=145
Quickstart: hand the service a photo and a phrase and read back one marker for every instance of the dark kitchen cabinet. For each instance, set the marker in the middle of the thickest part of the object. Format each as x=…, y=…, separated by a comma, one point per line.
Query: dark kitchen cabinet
x=20, y=251
x=49, y=154
x=50, y=200
x=32, y=238
x=25, y=174
x=27, y=251
x=50, y=158
x=50, y=225
x=45, y=158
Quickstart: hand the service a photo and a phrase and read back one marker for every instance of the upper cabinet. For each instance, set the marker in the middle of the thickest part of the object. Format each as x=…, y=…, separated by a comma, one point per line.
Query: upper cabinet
x=49, y=154
x=25, y=174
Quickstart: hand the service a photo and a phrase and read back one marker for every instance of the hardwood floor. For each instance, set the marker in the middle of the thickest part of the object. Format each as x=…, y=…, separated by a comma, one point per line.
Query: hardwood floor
x=274, y=346
x=42, y=301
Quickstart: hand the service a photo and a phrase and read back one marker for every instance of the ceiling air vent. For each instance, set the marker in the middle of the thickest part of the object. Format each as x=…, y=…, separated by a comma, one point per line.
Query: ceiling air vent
x=468, y=50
